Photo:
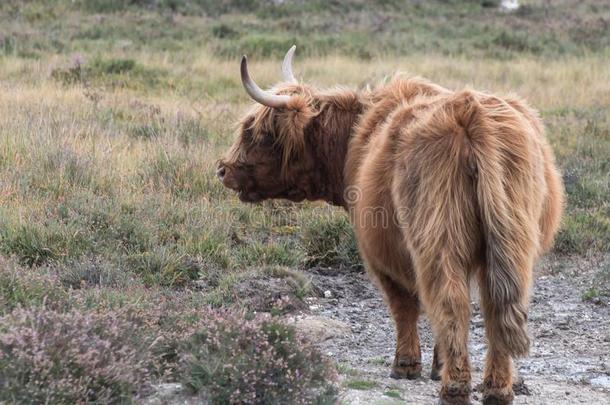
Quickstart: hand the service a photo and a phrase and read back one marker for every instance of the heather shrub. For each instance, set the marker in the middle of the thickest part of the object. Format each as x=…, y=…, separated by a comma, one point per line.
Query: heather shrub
x=67, y=358
x=255, y=361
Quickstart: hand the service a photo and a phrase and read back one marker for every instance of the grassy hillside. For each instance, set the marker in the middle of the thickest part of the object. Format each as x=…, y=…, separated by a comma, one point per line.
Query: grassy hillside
x=363, y=29
x=113, y=113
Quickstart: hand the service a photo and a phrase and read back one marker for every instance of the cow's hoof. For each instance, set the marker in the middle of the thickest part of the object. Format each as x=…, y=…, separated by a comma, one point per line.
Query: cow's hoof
x=497, y=398
x=435, y=374
x=495, y=395
x=519, y=387
x=405, y=368
x=454, y=401
x=455, y=393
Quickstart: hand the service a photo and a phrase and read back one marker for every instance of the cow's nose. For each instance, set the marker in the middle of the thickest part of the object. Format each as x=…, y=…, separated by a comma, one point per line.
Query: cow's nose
x=221, y=171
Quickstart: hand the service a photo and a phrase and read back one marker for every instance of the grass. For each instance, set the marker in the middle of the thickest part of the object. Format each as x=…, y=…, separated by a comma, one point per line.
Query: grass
x=393, y=394
x=378, y=361
x=20, y=288
x=356, y=27
x=113, y=114
x=362, y=385
x=345, y=369
x=329, y=241
x=599, y=290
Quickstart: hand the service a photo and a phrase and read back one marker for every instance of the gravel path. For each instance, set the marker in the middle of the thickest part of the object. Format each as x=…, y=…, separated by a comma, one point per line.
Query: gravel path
x=569, y=360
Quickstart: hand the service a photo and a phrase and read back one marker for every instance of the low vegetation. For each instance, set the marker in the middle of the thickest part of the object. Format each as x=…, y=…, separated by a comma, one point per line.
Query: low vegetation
x=112, y=116
x=361, y=384
x=237, y=361
x=110, y=345
x=599, y=290
x=70, y=357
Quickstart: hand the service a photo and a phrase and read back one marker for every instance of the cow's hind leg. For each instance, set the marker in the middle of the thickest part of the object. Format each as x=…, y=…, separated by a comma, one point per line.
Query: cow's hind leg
x=498, y=379
x=404, y=307
x=447, y=302
x=437, y=364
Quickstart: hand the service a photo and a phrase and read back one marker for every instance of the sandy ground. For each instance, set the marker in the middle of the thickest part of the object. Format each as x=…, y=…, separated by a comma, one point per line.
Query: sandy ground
x=569, y=360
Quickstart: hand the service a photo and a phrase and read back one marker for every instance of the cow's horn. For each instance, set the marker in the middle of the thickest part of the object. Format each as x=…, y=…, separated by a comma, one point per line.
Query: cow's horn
x=257, y=94
x=287, y=66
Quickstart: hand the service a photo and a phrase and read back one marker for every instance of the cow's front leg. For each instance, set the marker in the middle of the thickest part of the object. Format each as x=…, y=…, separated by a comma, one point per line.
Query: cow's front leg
x=404, y=307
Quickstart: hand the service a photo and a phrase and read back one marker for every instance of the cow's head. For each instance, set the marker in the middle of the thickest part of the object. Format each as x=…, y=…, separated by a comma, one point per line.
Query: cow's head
x=270, y=157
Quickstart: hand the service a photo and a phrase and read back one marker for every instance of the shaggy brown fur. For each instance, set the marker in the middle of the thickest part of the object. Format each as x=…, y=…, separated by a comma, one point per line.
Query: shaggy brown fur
x=442, y=187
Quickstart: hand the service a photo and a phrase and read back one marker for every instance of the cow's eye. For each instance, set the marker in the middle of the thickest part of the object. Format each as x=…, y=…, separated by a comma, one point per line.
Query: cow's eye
x=247, y=136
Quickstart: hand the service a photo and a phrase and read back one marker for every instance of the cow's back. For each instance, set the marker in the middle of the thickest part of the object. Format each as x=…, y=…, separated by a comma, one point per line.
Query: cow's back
x=370, y=167
x=380, y=148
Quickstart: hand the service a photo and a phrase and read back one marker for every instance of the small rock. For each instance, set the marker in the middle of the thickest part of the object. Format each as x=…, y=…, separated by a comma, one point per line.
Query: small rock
x=509, y=5
x=563, y=323
x=169, y=389
x=167, y=393
x=603, y=381
x=328, y=294
x=319, y=328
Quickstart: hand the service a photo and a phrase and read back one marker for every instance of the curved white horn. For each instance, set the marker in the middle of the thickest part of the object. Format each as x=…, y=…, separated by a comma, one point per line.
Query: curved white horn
x=257, y=94
x=287, y=66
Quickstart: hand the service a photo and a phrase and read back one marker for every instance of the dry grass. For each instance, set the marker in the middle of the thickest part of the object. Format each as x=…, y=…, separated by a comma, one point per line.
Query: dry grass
x=73, y=152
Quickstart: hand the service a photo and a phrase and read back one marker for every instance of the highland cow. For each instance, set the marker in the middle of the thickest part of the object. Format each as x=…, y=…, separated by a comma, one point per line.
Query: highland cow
x=468, y=187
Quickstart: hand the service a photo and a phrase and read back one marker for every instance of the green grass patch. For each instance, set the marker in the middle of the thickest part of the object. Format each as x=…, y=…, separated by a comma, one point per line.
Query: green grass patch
x=37, y=243
x=330, y=241
x=581, y=138
x=600, y=284
x=353, y=27
x=164, y=267
x=362, y=385
x=392, y=394
x=345, y=369
x=278, y=252
x=584, y=231
x=27, y=288
x=379, y=361
x=117, y=72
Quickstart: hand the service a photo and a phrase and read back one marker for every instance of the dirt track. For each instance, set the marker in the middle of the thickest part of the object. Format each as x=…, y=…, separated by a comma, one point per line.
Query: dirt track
x=569, y=361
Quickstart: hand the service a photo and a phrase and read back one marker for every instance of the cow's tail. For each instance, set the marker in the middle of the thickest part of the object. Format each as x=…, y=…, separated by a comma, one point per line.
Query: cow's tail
x=509, y=234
